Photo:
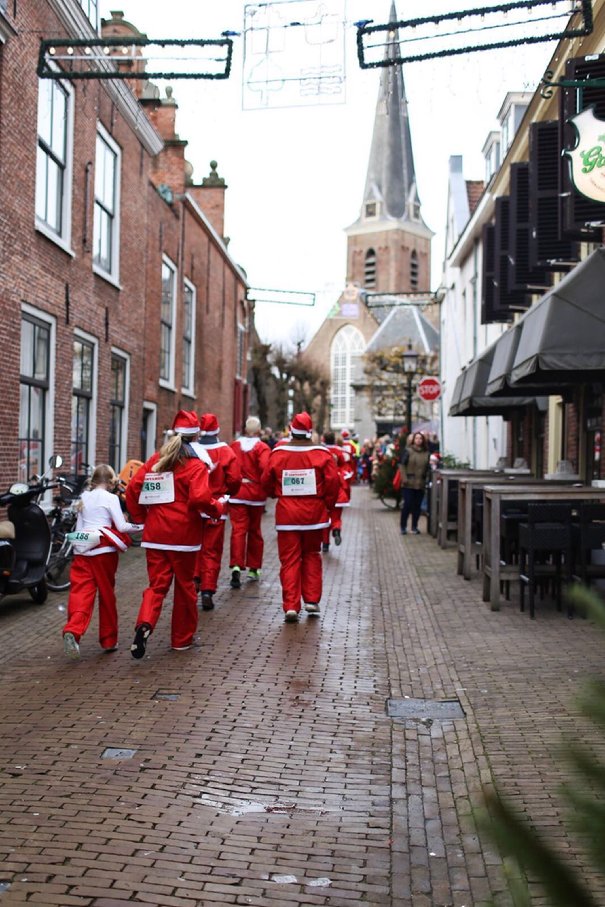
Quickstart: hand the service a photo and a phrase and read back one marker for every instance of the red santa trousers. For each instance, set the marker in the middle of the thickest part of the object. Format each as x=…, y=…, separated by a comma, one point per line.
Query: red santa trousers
x=208, y=565
x=246, y=538
x=162, y=566
x=88, y=576
x=335, y=523
x=300, y=574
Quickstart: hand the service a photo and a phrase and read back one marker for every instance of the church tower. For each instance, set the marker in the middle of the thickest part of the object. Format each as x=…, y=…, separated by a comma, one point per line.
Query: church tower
x=389, y=245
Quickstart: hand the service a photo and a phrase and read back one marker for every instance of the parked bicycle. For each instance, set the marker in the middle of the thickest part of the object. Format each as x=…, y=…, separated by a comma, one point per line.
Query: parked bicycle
x=62, y=519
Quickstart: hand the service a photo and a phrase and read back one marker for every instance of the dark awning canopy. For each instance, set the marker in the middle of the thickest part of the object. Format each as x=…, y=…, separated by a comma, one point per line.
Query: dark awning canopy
x=470, y=397
x=562, y=337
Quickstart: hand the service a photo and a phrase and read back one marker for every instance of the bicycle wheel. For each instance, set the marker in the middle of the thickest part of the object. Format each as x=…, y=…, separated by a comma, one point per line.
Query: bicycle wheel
x=390, y=503
x=57, y=569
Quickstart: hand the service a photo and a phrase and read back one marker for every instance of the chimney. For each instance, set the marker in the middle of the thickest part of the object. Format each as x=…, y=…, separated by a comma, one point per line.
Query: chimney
x=169, y=167
x=210, y=196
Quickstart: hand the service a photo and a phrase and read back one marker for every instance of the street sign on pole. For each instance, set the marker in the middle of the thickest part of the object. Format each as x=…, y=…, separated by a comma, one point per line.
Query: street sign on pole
x=429, y=388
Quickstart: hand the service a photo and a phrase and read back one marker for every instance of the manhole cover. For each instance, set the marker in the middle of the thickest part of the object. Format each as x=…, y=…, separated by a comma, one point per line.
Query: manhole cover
x=437, y=709
x=162, y=694
x=114, y=753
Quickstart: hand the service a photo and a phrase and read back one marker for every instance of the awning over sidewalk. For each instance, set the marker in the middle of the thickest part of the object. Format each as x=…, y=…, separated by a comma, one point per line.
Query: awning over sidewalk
x=562, y=337
x=470, y=396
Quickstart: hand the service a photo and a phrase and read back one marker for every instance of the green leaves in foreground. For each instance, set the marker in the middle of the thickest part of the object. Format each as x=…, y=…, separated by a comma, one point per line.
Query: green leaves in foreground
x=521, y=846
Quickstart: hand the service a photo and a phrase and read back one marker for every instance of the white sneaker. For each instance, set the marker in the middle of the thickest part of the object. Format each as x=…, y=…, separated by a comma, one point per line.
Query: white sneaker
x=291, y=617
x=312, y=608
x=181, y=648
x=70, y=646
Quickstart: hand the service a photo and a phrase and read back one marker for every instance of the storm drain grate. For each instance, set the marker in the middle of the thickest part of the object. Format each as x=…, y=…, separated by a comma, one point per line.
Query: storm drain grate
x=112, y=752
x=163, y=694
x=436, y=709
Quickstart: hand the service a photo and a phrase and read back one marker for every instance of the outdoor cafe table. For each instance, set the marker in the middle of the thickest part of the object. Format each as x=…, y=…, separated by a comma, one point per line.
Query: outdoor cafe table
x=493, y=496
x=466, y=548
x=443, y=480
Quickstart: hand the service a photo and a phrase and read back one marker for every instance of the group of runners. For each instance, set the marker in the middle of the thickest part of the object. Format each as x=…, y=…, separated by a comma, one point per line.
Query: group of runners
x=181, y=498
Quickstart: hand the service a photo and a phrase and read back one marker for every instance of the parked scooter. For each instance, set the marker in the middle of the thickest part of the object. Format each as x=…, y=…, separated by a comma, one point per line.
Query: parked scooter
x=25, y=539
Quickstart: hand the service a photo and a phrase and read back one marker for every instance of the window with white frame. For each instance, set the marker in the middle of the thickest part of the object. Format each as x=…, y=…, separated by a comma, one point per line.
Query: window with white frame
x=118, y=403
x=53, y=158
x=167, y=321
x=81, y=404
x=345, y=367
x=106, y=228
x=188, y=337
x=34, y=387
x=91, y=8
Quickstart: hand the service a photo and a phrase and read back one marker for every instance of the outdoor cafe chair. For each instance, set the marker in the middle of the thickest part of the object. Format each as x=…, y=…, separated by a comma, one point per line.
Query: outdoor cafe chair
x=545, y=551
x=589, y=537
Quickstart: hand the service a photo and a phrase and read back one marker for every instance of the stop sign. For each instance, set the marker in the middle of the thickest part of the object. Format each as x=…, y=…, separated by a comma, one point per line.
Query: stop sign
x=429, y=388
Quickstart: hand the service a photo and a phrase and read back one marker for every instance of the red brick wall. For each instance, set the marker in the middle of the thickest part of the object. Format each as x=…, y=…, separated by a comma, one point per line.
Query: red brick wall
x=37, y=271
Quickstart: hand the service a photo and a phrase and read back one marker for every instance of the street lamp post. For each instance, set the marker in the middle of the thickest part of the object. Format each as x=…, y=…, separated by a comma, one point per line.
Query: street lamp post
x=410, y=364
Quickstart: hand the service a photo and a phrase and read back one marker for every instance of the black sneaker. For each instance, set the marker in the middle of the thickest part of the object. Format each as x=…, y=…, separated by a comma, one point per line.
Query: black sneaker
x=337, y=538
x=235, y=578
x=139, y=643
x=415, y=531
x=207, y=603
x=325, y=546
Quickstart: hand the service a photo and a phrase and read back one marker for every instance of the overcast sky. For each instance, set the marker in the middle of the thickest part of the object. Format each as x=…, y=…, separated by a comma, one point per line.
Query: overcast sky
x=296, y=173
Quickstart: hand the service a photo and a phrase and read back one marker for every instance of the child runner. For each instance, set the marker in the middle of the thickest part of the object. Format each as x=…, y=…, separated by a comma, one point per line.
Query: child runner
x=102, y=527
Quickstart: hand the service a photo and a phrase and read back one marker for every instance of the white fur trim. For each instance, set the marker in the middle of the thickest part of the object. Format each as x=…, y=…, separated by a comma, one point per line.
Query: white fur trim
x=95, y=551
x=115, y=539
x=215, y=432
x=247, y=443
x=202, y=454
x=248, y=503
x=291, y=448
x=303, y=528
x=170, y=547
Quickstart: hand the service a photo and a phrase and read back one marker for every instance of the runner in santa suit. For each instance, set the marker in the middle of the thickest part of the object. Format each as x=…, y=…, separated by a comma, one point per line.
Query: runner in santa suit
x=246, y=508
x=304, y=479
x=350, y=452
x=225, y=480
x=344, y=492
x=167, y=494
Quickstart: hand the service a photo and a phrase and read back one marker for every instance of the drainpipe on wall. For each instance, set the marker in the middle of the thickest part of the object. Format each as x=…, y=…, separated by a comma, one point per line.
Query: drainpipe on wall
x=474, y=310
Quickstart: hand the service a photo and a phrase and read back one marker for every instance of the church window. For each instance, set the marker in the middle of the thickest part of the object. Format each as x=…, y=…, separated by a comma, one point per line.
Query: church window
x=414, y=270
x=371, y=209
x=369, y=270
x=345, y=368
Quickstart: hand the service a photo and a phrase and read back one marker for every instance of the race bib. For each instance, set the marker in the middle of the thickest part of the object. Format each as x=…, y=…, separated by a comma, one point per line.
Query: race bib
x=84, y=541
x=298, y=481
x=158, y=488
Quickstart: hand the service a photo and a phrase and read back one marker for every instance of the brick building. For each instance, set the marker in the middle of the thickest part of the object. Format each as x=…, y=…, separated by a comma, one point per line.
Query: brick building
x=120, y=302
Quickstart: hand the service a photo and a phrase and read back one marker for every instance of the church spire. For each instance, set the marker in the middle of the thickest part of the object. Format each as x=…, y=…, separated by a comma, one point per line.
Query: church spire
x=390, y=190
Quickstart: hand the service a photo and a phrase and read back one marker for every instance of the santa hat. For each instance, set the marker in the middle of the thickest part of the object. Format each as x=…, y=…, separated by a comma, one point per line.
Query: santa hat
x=345, y=433
x=186, y=423
x=209, y=424
x=301, y=425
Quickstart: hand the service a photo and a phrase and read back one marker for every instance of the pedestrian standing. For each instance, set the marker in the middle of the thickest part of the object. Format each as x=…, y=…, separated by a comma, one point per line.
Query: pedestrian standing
x=225, y=480
x=246, y=508
x=102, y=530
x=167, y=494
x=414, y=467
x=304, y=479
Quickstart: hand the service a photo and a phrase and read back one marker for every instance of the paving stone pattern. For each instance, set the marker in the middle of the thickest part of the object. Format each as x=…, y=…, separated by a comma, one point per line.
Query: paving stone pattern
x=265, y=769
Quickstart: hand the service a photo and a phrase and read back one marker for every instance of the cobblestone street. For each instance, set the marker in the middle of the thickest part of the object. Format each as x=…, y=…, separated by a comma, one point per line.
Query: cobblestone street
x=261, y=767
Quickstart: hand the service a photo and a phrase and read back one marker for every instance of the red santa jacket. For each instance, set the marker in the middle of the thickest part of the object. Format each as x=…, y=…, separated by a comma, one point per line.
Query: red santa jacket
x=344, y=474
x=305, y=481
x=174, y=525
x=252, y=456
x=226, y=477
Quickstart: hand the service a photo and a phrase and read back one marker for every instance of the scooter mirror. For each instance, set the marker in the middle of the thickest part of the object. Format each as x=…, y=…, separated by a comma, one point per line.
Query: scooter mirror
x=55, y=461
x=18, y=488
